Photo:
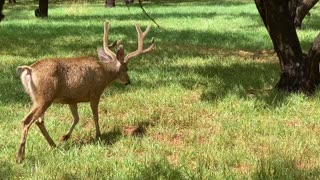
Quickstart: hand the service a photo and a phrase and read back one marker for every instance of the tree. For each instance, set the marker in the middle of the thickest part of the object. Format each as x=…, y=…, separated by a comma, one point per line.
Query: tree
x=299, y=9
x=299, y=72
x=12, y=1
x=128, y=2
x=112, y=3
x=42, y=11
x=1, y=7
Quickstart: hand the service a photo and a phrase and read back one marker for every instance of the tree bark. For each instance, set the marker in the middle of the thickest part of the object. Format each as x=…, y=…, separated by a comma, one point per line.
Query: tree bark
x=299, y=72
x=1, y=7
x=42, y=11
x=110, y=3
x=128, y=2
x=302, y=10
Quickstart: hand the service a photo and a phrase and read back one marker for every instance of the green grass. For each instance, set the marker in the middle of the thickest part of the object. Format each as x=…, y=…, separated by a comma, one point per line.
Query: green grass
x=203, y=101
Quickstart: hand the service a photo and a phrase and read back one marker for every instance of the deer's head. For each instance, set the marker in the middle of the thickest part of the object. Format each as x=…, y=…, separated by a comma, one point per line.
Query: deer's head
x=119, y=61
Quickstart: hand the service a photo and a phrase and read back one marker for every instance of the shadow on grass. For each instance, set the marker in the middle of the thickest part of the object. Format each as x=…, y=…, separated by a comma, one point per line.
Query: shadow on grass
x=111, y=137
x=11, y=89
x=216, y=2
x=10, y=94
x=310, y=23
x=6, y=170
x=139, y=129
x=217, y=81
x=39, y=37
x=39, y=40
x=159, y=170
x=254, y=80
x=107, y=138
x=280, y=168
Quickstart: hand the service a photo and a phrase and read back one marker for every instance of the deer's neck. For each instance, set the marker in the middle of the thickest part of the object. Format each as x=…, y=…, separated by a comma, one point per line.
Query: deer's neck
x=111, y=69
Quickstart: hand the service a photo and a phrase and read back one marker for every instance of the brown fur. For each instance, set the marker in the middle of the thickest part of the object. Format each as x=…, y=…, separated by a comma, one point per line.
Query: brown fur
x=67, y=81
x=71, y=81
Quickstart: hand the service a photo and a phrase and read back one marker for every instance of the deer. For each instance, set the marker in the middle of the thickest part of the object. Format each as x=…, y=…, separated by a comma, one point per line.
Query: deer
x=74, y=80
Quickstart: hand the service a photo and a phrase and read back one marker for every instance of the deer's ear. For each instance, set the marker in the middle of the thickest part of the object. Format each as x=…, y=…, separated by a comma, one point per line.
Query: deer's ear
x=120, y=53
x=103, y=56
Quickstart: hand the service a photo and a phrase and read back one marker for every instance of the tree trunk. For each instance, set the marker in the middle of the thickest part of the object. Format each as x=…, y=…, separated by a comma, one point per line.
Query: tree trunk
x=1, y=7
x=302, y=10
x=42, y=11
x=110, y=3
x=299, y=72
x=127, y=2
x=12, y=1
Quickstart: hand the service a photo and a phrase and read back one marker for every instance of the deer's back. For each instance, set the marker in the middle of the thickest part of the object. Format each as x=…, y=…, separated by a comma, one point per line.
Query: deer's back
x=68, y=80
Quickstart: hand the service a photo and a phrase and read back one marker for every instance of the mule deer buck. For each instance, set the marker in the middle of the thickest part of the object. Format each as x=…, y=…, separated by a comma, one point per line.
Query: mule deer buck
x=74, y=80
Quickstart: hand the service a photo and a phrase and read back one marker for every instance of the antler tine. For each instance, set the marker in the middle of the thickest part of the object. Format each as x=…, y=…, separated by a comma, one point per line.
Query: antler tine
x=146, y=31
x=114, y=44
x=105, y=42
x=150, y=48
x=140, y=50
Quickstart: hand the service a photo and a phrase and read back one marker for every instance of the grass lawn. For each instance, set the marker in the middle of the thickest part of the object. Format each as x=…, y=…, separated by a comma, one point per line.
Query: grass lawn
x=201, y=106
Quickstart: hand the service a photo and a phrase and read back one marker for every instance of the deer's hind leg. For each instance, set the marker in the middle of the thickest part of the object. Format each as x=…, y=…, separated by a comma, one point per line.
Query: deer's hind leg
x=40, y=124
x=35, y=113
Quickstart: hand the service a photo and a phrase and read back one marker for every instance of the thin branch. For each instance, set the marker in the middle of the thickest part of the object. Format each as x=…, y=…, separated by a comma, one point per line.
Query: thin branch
x=145, y=12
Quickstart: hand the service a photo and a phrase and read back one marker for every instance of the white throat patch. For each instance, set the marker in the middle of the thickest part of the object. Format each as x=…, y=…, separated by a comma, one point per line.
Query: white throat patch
x=118, y=65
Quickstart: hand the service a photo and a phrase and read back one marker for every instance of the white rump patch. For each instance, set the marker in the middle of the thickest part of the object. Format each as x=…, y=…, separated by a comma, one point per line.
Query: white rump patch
x=26, y=80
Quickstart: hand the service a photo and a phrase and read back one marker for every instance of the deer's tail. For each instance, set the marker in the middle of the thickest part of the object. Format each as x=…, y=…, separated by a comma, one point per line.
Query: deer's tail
x=25, y=74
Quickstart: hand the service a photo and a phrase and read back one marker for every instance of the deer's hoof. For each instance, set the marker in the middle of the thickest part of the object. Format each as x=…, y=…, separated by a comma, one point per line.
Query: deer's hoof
x=64, y=138
x=19, y=159
x=98, y=136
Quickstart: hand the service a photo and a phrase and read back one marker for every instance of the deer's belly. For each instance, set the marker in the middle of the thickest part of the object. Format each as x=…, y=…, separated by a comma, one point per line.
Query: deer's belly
x=68, y=100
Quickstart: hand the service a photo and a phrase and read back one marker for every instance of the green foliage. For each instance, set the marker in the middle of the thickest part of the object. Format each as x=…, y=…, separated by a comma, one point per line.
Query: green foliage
x=201, y=106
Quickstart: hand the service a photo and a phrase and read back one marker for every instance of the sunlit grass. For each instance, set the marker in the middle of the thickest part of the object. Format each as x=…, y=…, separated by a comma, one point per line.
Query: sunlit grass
x=203, y=103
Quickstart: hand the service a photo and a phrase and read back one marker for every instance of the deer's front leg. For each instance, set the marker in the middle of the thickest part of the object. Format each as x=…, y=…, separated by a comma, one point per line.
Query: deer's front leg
x=74, y=111
x=94, y=107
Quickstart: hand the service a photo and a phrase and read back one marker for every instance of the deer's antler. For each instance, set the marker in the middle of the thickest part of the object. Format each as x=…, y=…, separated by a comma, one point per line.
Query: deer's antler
x=140, y=50
x=105, y=42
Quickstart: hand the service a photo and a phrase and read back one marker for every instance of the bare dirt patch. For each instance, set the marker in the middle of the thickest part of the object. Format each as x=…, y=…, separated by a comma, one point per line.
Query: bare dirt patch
x=256, y=56
x=309, y=165
x=242, y=168
x=88, y=125
x=293, y=123
x=173, y=159
x=176, y=139
x=133, y=130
